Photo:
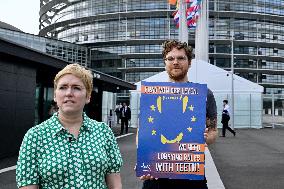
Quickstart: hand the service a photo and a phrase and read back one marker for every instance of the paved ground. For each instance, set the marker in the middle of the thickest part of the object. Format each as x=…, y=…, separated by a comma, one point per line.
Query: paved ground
x=254, y=159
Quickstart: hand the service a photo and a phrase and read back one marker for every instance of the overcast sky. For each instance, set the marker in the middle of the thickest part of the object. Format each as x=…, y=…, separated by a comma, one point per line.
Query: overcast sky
x=23, y=14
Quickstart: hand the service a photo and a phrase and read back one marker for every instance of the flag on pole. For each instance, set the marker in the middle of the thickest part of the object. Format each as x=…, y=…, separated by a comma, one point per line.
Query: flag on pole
x=193, y=12
x=172, y=2
x=176, y=15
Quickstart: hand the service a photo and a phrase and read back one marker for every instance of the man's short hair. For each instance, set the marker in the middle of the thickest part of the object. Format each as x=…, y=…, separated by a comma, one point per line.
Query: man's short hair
x=226, y=101
x=168, y=45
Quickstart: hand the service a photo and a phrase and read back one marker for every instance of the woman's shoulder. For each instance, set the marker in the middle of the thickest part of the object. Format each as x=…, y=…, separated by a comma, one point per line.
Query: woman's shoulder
x=44, y=126
x=100, y=125
x=96, y=126
x=37, y=131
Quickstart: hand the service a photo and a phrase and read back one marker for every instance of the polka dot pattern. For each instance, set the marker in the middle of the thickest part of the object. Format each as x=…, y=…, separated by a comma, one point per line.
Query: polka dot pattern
x=52, y=158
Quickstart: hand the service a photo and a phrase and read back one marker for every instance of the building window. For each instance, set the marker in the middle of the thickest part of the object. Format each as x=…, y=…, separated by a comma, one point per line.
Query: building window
x=275, y=37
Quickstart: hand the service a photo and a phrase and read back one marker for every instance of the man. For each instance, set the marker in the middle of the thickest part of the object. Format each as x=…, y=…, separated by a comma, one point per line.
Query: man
x=177, y=57
x=125, y=116
x=226, y=119
x=117, y=112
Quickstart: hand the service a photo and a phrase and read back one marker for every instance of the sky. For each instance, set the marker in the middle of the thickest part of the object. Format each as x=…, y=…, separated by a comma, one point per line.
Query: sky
x=23, y=14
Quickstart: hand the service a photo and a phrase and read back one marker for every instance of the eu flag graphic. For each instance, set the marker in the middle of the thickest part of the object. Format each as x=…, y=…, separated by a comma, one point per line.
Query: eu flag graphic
x=171, y=133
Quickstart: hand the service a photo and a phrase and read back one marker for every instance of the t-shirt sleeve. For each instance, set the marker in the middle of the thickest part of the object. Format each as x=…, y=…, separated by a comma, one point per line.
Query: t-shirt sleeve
x=115, y=160
x=211, y=108
x=27, y=168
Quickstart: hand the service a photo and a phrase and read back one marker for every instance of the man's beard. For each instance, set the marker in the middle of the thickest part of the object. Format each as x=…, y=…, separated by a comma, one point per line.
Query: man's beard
x=177, y=76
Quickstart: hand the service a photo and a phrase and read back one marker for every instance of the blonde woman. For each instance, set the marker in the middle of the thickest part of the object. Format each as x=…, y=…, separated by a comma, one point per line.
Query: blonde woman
x=70, y=150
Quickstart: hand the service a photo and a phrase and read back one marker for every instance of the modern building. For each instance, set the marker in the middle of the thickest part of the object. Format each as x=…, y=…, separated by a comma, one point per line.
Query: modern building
x=130, y=34
x=255, y=29
x=135, y=29
x=132, y=29
x=27, y=70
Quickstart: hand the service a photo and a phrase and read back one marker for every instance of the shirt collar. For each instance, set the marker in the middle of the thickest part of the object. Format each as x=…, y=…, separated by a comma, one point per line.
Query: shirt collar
x=57, y=127
x=87, y=122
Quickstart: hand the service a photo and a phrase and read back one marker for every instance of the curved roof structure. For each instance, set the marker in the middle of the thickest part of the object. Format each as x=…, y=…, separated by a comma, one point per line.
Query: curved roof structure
x=8, y=26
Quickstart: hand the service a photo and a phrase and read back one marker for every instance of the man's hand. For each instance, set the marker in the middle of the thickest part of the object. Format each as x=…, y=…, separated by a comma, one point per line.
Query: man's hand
x=210, y=135
x=147, y=177
x=211, y=130
x=113, y=181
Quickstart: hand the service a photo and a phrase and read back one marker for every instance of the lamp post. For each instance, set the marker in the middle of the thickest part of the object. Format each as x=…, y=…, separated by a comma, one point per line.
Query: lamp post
x=232, y=79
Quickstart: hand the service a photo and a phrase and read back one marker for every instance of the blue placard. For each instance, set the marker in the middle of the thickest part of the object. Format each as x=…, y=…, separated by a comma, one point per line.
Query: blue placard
x=172, y=122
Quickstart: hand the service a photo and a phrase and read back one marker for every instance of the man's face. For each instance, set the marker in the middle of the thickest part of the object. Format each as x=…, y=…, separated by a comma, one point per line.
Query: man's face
x=177, y=65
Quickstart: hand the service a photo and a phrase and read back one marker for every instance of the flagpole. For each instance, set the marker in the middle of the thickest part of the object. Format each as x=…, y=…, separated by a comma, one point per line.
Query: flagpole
x=202, y=34
x=182, y=32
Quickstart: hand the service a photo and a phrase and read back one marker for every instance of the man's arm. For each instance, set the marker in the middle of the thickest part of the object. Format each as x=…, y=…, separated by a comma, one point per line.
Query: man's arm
x=211, y=131
x=129, y=113
x=113, y=181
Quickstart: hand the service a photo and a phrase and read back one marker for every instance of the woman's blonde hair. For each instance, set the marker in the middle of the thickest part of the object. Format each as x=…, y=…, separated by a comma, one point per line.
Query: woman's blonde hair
x=78, y=71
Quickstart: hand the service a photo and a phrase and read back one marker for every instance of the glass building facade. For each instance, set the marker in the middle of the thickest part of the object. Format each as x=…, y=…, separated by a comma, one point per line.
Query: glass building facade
x=70, y=52
x=64, y=50
x=130, y=33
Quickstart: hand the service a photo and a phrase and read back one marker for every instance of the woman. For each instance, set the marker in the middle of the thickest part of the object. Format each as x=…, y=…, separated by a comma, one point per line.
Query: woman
x=70, y=150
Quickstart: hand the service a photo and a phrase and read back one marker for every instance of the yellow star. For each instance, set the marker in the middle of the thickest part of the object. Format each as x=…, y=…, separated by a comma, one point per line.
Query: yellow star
x=193, y=119
x=150, y=119
x=191, y=107
x=153, y=132
x=153, y=108
x=189, y=129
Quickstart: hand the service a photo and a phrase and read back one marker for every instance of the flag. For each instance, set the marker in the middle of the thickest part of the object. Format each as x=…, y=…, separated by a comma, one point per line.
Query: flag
x=177, y=4
x=193, y=12
x=176, y=15
x=172, y=2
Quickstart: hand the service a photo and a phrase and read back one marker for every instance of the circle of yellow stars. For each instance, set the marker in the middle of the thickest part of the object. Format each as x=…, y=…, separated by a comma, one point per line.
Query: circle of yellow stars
x=151, y=119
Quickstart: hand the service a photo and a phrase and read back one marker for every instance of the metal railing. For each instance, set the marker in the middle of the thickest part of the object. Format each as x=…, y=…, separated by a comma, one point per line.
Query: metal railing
x=273, y=110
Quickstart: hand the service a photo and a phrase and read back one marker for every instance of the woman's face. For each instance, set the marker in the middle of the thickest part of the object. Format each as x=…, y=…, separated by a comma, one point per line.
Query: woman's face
x=71, y=95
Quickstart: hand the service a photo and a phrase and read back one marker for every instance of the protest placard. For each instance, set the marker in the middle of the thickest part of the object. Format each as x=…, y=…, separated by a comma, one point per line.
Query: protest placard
x=171, y=140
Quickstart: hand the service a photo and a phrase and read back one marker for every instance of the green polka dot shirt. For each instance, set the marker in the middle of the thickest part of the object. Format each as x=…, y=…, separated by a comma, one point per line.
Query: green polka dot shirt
x=52, y=158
